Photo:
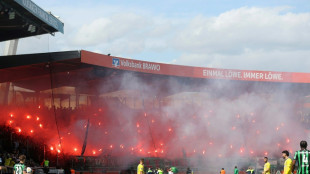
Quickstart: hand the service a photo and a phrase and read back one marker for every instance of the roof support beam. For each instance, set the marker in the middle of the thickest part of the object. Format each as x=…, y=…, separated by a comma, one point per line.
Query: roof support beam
x=10, y=47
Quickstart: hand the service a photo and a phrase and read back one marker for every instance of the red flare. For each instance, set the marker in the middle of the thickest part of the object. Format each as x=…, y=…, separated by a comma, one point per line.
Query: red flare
x=241, y=150
x=19, y=130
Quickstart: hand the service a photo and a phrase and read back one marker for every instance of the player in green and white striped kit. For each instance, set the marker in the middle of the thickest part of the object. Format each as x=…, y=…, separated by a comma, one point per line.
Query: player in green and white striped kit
x=302, y=157
x=20, y=168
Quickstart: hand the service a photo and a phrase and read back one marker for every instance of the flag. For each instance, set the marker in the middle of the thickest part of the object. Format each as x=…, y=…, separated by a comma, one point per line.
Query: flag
x=85, y=139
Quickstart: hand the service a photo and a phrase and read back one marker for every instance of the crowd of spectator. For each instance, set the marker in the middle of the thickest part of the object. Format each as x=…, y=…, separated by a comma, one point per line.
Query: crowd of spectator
x=12, y=145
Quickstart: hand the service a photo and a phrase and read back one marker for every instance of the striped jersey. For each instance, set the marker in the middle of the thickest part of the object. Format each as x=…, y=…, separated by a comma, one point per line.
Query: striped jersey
x=303, y=159
x=19, y=168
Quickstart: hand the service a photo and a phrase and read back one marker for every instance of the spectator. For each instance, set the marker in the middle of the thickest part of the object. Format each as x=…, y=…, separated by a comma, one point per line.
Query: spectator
x=8, y=160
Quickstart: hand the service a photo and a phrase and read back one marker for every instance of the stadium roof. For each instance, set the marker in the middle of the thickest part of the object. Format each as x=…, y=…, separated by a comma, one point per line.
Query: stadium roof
x=23, y=18
x=89, y=71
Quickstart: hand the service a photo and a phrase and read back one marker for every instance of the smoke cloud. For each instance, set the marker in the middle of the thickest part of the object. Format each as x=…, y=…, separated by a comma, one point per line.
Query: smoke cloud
x=213, y=123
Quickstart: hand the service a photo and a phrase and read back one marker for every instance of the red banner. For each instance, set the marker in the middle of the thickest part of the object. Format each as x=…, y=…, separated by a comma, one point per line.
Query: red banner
x=188, y=71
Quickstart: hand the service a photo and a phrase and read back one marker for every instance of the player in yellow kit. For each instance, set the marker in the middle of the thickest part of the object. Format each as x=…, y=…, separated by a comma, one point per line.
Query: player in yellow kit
x=266, y=166
x=287, y=163
x=140, y=168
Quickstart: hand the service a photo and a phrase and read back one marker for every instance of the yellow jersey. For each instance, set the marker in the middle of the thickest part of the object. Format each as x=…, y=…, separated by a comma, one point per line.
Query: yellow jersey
x=288, y=166
x=140, y=169
x=8, y=162
x=267, y=168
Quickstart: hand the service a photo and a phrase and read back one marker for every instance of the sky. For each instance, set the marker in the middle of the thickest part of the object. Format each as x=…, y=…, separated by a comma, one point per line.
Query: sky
x=271, y=35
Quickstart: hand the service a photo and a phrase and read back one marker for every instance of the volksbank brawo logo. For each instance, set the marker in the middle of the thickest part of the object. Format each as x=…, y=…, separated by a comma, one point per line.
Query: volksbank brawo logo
x=115, y=62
